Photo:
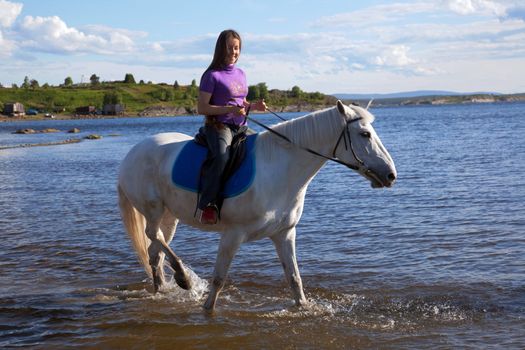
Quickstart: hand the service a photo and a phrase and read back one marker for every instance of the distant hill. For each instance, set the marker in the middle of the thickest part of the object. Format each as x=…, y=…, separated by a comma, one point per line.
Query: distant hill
x=408, y=94
x=433, y=99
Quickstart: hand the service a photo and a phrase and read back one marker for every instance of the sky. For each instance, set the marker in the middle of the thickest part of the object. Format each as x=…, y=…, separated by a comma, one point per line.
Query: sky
x=330, y=46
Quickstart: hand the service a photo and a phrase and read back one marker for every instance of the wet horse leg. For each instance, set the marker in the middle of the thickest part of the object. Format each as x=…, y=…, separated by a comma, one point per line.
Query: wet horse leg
x=154, y=253
x=158, y=247
x=228, y=246
x=285, y=245
x=181, y=276
x=168, y=226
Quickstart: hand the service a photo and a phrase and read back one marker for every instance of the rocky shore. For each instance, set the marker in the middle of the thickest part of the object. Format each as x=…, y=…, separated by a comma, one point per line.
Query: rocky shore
x=29, y=131
x=159, y=111
x=25, y=145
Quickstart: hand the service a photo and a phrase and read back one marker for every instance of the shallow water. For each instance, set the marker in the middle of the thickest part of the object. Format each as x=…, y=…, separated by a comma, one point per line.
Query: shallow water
x=435, y=262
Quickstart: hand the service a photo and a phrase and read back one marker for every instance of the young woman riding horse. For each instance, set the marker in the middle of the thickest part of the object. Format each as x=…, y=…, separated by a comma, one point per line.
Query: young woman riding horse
x=222, y=99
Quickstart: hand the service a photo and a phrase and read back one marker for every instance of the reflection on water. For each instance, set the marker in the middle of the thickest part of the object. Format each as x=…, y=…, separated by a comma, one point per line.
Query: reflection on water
x=436, y=261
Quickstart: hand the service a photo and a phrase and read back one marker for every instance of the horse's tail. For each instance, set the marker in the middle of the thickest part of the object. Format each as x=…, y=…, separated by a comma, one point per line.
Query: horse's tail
x=135, y=225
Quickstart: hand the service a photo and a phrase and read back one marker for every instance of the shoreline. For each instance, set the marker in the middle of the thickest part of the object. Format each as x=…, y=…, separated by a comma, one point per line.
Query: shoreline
x=41, y=116
x=27, y=145
x=305, y=108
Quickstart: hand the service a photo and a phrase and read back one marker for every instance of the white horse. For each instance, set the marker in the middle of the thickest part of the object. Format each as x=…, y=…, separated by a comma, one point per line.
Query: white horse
x=151, y=206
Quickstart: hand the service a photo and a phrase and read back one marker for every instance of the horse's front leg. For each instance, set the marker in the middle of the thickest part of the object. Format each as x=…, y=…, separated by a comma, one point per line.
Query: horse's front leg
x=228, y=246
x=285, y=245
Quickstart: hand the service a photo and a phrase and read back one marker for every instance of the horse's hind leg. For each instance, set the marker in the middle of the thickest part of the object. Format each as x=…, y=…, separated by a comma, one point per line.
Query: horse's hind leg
x=154, y=212
x=168, y=226
x=155, y=252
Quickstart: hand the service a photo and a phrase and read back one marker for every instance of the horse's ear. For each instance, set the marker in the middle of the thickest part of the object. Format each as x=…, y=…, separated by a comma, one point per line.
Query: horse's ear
x=341, y=107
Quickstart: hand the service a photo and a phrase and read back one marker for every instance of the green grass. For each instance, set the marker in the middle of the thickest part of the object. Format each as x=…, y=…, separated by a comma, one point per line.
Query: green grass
x=135, y=97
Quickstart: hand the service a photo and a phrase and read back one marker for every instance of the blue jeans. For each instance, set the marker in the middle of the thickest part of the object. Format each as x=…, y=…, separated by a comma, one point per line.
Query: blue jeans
x=219, y=138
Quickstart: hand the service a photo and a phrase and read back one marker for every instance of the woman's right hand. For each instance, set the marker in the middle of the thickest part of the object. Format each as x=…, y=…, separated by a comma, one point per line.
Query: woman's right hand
x=238, y=111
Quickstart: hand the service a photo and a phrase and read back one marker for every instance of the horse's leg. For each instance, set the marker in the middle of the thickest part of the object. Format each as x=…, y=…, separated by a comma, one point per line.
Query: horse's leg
x=158, y=246
x=285, y=245
x=154, y=252
x=168, y=226
x=228, y=246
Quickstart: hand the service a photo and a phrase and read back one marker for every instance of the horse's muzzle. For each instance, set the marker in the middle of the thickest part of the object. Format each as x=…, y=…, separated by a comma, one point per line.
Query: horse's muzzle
x=377, y=181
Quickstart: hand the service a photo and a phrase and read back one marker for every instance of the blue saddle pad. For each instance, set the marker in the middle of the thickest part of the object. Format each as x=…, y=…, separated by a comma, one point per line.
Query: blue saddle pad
x=186, y=169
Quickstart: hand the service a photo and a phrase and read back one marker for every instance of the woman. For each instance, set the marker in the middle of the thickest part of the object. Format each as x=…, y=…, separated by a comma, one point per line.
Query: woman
x=222, y=99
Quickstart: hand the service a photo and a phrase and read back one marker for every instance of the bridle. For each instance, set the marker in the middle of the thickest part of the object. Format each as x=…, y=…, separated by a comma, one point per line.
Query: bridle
x=345, y=136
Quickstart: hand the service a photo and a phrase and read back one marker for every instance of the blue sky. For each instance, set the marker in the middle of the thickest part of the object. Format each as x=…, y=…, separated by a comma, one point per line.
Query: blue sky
x=332, y=46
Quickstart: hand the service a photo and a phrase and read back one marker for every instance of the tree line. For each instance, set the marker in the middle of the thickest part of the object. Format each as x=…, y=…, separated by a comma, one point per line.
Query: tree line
x=139, y=95
x=94, y=80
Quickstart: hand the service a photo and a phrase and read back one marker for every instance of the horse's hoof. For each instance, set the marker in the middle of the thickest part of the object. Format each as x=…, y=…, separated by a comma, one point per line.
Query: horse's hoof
x=209, y=310
x=302, y=303
x=183, y=280
x=157, y=284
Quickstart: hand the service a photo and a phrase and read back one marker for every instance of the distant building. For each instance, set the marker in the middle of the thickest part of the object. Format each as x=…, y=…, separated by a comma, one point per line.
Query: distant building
x=85, y=110
x=14, y=109
x=113, y=109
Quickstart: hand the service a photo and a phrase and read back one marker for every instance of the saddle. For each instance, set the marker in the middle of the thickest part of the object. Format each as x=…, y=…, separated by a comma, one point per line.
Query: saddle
x=238, y=174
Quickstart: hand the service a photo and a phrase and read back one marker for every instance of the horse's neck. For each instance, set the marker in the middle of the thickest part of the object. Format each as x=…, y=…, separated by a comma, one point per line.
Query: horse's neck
x=317, y=131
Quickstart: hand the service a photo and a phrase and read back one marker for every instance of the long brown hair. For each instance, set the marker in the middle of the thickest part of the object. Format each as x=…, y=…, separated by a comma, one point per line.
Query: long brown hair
x=221, y=49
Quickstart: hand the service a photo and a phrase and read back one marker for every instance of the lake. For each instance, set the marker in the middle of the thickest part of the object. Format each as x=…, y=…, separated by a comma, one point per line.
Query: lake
x=437, y=261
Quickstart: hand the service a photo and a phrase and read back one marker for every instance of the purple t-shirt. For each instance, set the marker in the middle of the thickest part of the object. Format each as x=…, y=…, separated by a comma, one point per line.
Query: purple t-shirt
x=227, y=87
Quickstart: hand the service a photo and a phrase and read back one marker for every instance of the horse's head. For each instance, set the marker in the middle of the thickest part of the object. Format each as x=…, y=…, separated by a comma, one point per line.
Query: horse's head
x=360, y=147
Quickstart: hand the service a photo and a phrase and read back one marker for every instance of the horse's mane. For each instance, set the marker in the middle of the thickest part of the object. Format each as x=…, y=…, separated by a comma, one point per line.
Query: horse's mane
x=316, y=127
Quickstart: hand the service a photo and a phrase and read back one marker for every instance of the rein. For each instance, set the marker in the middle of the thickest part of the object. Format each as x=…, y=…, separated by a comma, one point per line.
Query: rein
x=344, y=135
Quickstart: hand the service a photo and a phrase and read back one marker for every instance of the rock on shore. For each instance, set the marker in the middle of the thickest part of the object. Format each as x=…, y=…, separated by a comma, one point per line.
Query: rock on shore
x=33, y=131
x=159, y=111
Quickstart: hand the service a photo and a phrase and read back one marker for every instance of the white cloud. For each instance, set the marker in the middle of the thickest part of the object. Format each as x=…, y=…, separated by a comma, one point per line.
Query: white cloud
x=319, y=53
x=103, y=30
x=502, y=9
x=375, y=14
x=403, y=11
x=201, y=44
x=395, y=56
x=157, y=47
x=484, y=7
x=6, y=46
x=9, y=11
x=51, y=34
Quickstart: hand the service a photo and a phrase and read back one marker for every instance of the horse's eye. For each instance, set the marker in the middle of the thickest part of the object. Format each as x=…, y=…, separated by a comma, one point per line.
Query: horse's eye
x=366, y=134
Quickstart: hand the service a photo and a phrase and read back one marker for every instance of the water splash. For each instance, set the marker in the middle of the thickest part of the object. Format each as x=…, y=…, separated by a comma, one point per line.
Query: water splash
x=198, y=289
x=143, y=290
